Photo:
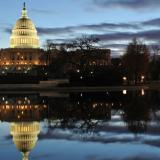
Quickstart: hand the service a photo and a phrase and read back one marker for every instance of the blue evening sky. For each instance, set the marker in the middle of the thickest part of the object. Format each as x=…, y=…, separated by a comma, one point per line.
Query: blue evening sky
x=115, y=22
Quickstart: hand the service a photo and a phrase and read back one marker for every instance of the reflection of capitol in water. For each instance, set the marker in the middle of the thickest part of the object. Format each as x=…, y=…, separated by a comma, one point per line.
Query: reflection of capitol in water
x=22, y=108
x=25, y=136
x=24, y=111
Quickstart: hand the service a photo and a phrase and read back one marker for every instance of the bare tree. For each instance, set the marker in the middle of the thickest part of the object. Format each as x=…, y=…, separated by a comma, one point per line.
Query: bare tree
x=85, y=42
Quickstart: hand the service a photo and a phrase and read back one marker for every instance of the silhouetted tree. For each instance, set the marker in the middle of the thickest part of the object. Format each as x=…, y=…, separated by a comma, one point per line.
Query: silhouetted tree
x=155, y=63
x=85, y=42
x=136, y=59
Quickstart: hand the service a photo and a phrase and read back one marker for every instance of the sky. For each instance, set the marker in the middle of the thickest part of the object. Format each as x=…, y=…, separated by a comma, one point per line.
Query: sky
x=114, y=22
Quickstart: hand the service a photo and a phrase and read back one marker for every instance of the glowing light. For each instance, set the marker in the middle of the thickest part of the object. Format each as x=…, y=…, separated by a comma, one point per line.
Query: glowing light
x=19, y=68
x=6, y=102
x=95, y=105
x=124, y=78
x=142, y=92
x=124, y=92
x=142, y=78
x=36, y=63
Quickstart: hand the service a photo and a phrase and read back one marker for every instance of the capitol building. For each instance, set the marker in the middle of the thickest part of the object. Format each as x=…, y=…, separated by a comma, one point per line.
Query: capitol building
x=24, y=51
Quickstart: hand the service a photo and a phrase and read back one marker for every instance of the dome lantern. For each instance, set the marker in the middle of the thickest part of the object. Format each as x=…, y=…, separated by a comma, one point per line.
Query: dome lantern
x=24, y=11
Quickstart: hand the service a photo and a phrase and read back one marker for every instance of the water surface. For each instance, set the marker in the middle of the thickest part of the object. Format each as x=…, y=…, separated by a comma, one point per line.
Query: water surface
x=122, y=125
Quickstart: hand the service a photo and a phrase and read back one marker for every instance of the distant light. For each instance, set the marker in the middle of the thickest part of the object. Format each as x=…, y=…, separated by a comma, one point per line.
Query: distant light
x=142, y=92
x=94, y=105
x=124, y=92
x=78, y=70
x=19, y=68
x=81, y=77
x=142, y=77
x=124, y=78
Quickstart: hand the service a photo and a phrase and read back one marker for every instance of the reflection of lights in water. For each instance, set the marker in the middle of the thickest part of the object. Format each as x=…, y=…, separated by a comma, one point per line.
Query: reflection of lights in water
x=81, y=77
x=142, y=92
x=124, y=91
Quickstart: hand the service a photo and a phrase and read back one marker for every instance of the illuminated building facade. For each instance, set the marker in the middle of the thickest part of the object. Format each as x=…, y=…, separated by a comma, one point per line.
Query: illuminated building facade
x=24, y=51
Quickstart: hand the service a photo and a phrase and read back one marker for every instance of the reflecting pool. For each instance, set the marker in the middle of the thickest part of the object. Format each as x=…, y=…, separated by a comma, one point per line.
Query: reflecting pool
x=123, y=125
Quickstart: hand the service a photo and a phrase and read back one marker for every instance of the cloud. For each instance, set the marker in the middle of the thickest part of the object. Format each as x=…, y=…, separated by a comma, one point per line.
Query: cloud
x=130, y=4
x=102, y=27
x=152, y=22
x=151, y=35
x=54, y=31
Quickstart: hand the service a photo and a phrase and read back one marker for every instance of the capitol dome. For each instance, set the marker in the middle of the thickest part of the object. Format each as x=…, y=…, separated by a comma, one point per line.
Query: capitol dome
x=24, y=33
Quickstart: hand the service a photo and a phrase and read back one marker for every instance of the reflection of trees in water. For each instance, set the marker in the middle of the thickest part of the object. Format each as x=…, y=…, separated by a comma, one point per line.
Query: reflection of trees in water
x=137, y=114
x=155, y=105
x=79, y=116
x=87, y=112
